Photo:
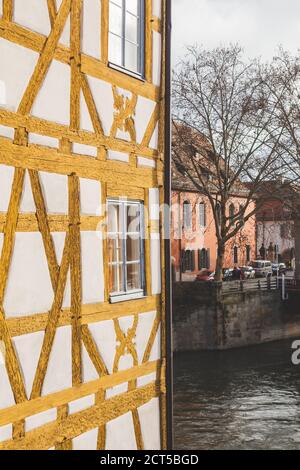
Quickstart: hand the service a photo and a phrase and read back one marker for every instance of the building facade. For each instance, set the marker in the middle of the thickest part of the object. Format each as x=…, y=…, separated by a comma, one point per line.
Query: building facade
x=82, y=291
x=276, y=224
x=194, y=242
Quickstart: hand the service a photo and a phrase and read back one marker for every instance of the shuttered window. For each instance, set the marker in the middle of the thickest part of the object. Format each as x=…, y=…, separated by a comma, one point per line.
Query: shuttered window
x=204, y=259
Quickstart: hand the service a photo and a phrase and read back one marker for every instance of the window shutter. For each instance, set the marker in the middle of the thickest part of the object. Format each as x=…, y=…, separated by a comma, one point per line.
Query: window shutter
x=199, y=260
x=208, y=258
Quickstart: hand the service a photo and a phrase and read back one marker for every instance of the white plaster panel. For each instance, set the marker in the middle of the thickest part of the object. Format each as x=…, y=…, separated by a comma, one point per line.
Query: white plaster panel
x=92, y=267
x=154, y=204
x=89, y=372
x=55, y=190
x=91, y=36
x=59, y=371
x=103, y=97
x=118, y=156
x=86, y=441
x=3, y=99
x=6, y=179
x=81, y=404
x=53, y=100
x=59, y=243
x=117, y=390
x=28, y=349
x=146, y=380
x=120, y=434
x=1, y=1
x=27, y=201
x=6, y=394
x=42, y=140
x=5, y=432
x=29, y=287
x=105, y=338
x=144, y=110
x=155, y=264
x=153, y=144
x=34, y=15
x=143, y=332
x=146, y=162
x=90, y=197
x=40, y=419
x=150, y=424
x=156, y=70
x=16, y=67
x=6, y=131
x=156, y=8
x=83, y=149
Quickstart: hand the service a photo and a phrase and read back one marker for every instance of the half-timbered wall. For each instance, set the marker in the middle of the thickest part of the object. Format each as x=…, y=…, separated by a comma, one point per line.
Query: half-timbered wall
x=77, y=372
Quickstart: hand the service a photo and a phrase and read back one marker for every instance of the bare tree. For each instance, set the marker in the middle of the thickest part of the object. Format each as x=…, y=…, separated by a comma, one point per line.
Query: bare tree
x=225, y=134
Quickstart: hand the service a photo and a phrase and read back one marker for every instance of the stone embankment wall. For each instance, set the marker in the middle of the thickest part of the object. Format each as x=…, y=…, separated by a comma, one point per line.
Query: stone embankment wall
x=207, y=318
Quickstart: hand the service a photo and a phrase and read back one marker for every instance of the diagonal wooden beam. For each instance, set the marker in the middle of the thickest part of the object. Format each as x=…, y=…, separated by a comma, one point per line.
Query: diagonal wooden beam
x=151, y=126
x=12, y=363
x=45, y=59
x=52, y=11
x=44, y=227
x=52, y=323
x=89, y=99
x=93, y=352
x=10, y=228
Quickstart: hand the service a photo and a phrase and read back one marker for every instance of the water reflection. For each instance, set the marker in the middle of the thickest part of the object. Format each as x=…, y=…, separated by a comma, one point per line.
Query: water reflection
x=242, y=399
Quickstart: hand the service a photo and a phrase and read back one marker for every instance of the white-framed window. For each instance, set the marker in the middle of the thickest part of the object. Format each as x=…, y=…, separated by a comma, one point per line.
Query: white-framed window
x=125, y=243
x=202, y=214
x=126, y=35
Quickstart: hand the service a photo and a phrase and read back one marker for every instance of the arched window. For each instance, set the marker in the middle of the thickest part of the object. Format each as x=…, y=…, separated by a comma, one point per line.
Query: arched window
x=187, y=215
x=231, y=211
x=236, y=255
x=202, y=214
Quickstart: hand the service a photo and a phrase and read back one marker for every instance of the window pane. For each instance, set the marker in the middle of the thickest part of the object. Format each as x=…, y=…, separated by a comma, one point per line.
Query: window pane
x=116, y=278
x=114, y=218
x=132, y=6
x=115, y=49
x=115, y=19
x=115, y=249
x=131, y=56
x=133, y=277
x=132, y=248
x=133, y=218
x=131, y=32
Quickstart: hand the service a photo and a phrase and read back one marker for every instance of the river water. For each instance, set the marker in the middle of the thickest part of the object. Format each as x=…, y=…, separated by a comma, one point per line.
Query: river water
x=240, y=399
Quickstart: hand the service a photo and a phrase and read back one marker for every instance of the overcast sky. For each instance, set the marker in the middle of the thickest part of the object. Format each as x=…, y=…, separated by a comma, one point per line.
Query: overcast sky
x=258, y=25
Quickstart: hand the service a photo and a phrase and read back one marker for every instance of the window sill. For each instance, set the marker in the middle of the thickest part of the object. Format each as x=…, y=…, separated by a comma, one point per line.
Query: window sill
x=114, y=299
x=118, y=68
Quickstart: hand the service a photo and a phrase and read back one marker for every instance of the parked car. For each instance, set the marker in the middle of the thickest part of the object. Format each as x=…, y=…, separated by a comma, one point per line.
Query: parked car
x=279, y=268
x=262, y=268
x=247, y=272
x=205, y=275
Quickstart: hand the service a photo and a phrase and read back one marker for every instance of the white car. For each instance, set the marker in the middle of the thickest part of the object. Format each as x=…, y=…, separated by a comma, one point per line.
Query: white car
x=262, y=268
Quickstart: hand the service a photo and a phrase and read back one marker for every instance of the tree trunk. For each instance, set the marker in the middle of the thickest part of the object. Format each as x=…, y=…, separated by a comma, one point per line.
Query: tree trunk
x=220, y=263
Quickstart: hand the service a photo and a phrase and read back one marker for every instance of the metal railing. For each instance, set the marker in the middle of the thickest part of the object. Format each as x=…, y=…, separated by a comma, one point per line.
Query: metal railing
x=260, y=284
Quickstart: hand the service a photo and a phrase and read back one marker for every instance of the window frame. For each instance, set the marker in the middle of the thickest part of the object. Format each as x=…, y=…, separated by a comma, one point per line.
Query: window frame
x=202, y=213
x=140, y=74
x=127, y=294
